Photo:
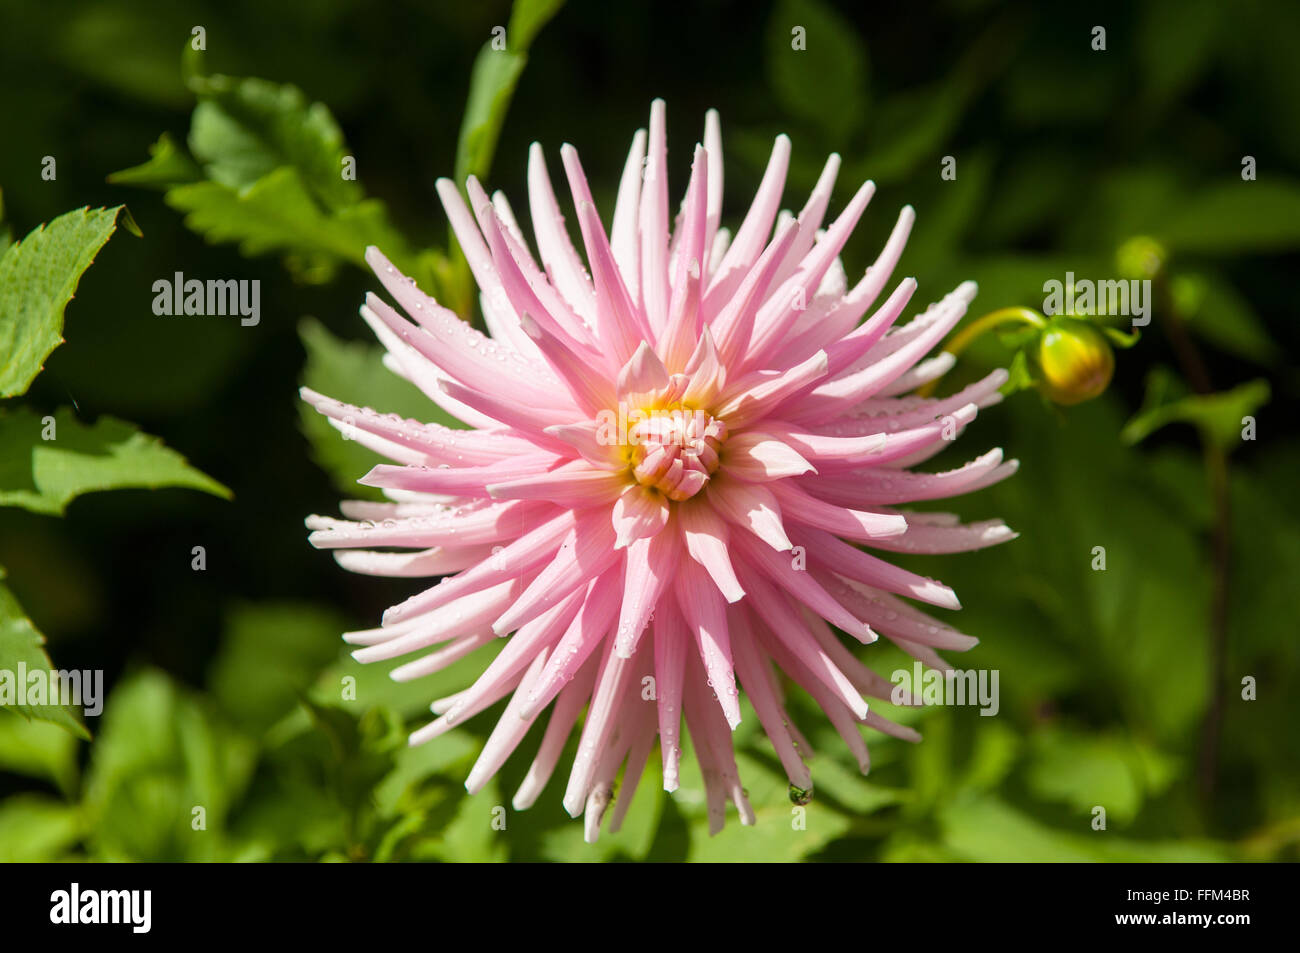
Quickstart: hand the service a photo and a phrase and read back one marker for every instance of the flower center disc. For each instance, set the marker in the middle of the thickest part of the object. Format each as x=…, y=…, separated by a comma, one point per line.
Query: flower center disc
x=676, y=451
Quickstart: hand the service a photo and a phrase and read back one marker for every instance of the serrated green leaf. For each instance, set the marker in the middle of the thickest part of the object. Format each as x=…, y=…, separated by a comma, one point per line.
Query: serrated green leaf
x=244, y=129
x=168, y=165
x=38, y=277
x=44, y=475
x=22, y=648
x=354, y=372
x=277, y=214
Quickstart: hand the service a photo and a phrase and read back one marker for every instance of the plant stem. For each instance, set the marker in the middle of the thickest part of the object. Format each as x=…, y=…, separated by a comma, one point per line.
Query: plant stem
x=993, y=319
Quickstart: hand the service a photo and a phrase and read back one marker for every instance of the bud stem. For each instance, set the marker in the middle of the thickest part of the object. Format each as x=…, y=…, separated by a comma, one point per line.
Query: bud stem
x=993, y=319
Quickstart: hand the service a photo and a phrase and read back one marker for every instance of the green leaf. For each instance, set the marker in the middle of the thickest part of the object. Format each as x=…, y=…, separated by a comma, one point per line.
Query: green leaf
x=982, y=828
x=527, y=17
x=39, y=749
x=634, y=839
x=168, y=165
x=362, y=753
x=22, y=644
x=354, y=372
x=849, y=789
x=1220, y=416
x=36, y=829
x=160, y=754
x=492, y=83
x=244, y=129
x=825, y=82
x=1020, y=376
x=278, y=214
x=782, y=831
x=471, y=837
x=38, y=277
x=1084, y=771
x=1236, y=217
x=271, y=653
x=270, y=177
x=44, y=475
x=453, y=753
x=1056, y=628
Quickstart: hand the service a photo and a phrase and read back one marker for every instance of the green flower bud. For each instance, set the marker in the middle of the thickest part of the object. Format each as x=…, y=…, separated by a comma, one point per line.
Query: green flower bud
x=1075, y=362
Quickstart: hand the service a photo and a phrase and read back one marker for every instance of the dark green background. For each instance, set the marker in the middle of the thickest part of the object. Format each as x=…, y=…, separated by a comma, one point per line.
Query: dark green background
x=1063, y=153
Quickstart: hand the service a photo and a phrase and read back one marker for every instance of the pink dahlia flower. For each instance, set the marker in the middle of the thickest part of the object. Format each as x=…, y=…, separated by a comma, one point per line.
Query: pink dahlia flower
x=676, y=452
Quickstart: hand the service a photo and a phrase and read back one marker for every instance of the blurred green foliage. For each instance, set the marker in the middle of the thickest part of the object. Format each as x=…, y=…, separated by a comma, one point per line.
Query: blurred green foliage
x=237, y=729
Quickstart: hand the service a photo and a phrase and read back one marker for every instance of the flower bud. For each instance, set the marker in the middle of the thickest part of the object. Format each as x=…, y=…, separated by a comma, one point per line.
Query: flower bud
x=1075, y=362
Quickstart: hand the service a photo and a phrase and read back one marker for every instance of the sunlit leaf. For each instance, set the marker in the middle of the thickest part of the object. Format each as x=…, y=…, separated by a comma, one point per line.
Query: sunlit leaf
x=244, y=129
x=39, y=749
x=22, y=650
x=492, y=83
x=49, y=462
x=38, y=277
x=278, y=214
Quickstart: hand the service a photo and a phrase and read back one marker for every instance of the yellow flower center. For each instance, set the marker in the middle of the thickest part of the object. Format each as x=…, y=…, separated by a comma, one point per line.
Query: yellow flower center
x=675, y=451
